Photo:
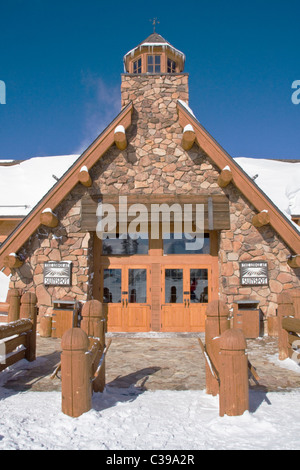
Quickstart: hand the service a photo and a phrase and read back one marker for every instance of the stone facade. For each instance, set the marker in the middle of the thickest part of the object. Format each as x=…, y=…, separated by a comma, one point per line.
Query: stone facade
x=155, y=163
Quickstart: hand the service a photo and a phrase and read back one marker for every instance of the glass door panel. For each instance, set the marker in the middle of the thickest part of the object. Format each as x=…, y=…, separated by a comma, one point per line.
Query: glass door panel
x=174, y=286
x=198, y=286
x=112, y=286
x=137, y=286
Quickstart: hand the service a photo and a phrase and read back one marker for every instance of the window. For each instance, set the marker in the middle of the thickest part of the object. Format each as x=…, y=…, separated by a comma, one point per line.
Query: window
x=181, y=245
x=171, y=66
x=153, y=64
x=137, y=66
x=125, y=246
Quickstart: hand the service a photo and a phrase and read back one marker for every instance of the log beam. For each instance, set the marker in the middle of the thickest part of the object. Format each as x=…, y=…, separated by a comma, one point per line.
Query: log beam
x=120, y=137
x=188, y=137
x=12, y=261
x=84, y=177
x=260, y=219
x=294, y=261
x=225, y=177
x=48, y=218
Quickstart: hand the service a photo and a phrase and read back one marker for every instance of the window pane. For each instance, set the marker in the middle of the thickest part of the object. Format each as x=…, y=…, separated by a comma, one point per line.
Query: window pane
x=198, y=286
x=157, y=60
x=179, y=246
x=150, y=59
x=137, y=286
x=157, y=69
x=125, y=246
x=112, y=286
x=174, y=286
x=150, y=68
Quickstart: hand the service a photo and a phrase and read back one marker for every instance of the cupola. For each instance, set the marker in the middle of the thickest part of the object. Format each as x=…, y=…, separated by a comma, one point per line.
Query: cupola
x=154, y=55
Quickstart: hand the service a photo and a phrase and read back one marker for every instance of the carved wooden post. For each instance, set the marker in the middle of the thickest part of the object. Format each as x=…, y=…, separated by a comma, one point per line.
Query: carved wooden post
x=93, y=323
x=216, y=323
x=75, y=373
x=285, y=309
x=28, y=309
x=234, y=385
x=14, y=305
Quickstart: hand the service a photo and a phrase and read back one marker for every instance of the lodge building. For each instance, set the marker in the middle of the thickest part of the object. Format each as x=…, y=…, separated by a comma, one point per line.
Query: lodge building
x=155, y=152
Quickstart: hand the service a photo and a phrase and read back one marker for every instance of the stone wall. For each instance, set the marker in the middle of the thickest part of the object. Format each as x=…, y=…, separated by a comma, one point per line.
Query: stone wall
x=155, y=163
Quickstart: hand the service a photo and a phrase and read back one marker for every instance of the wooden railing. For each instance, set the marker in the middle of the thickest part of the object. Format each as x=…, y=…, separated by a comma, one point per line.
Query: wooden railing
x=18, y=338
x=226, y=362
x=289, y=326
x=83, y=360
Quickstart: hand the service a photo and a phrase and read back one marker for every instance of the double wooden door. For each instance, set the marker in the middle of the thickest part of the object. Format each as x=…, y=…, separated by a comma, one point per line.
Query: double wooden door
x=186, y=290
x=126, y=294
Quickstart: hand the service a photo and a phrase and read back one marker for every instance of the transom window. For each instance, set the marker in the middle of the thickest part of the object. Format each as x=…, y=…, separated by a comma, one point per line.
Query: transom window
x=171, y=66
x=137, y=66
x=153, y=63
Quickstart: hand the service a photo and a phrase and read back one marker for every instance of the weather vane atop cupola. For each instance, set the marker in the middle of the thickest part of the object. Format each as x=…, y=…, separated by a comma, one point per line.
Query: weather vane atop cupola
x=154, y=23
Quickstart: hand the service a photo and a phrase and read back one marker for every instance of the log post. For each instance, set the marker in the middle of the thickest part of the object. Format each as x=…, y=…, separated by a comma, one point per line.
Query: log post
x=48, y=218
x=285, y=309
x=14, y=305
x=188, y=137
x=225, y=177
x=261, y=219
x=217, y=321
x=28, y=310
x=120, y=137
x=93, y=323
x=84, y=177
x=234, y=385
x=75, y=373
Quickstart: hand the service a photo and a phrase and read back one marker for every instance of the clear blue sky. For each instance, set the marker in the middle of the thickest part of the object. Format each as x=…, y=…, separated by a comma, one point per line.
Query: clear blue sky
x=61, y=62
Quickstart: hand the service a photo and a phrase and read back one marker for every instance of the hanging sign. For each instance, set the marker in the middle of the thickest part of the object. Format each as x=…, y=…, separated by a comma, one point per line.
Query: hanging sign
x=57, y=273
x=254, y=273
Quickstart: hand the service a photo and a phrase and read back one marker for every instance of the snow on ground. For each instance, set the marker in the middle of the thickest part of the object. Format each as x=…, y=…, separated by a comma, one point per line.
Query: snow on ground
x=131, y=419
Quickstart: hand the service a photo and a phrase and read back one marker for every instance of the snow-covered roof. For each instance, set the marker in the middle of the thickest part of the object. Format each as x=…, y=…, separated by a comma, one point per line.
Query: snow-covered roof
x=279, y=180
x=24, y=183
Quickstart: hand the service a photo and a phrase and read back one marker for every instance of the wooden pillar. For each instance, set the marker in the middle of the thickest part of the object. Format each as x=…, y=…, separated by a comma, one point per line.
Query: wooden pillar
x=75, y=373
x=45, y=329
x=216, y=323
x=234, y=385
x=14, y=305
x=285, y=309
x=94, y=324
x=28, y=309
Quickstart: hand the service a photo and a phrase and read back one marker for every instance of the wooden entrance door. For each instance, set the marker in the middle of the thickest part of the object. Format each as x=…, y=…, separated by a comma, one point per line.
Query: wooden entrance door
x=125, y=293
x=185, y=294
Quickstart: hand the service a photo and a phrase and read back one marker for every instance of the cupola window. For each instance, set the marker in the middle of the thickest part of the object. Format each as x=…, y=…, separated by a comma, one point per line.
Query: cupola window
x=153, y=64
x=137, y=66
x=171, y=66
